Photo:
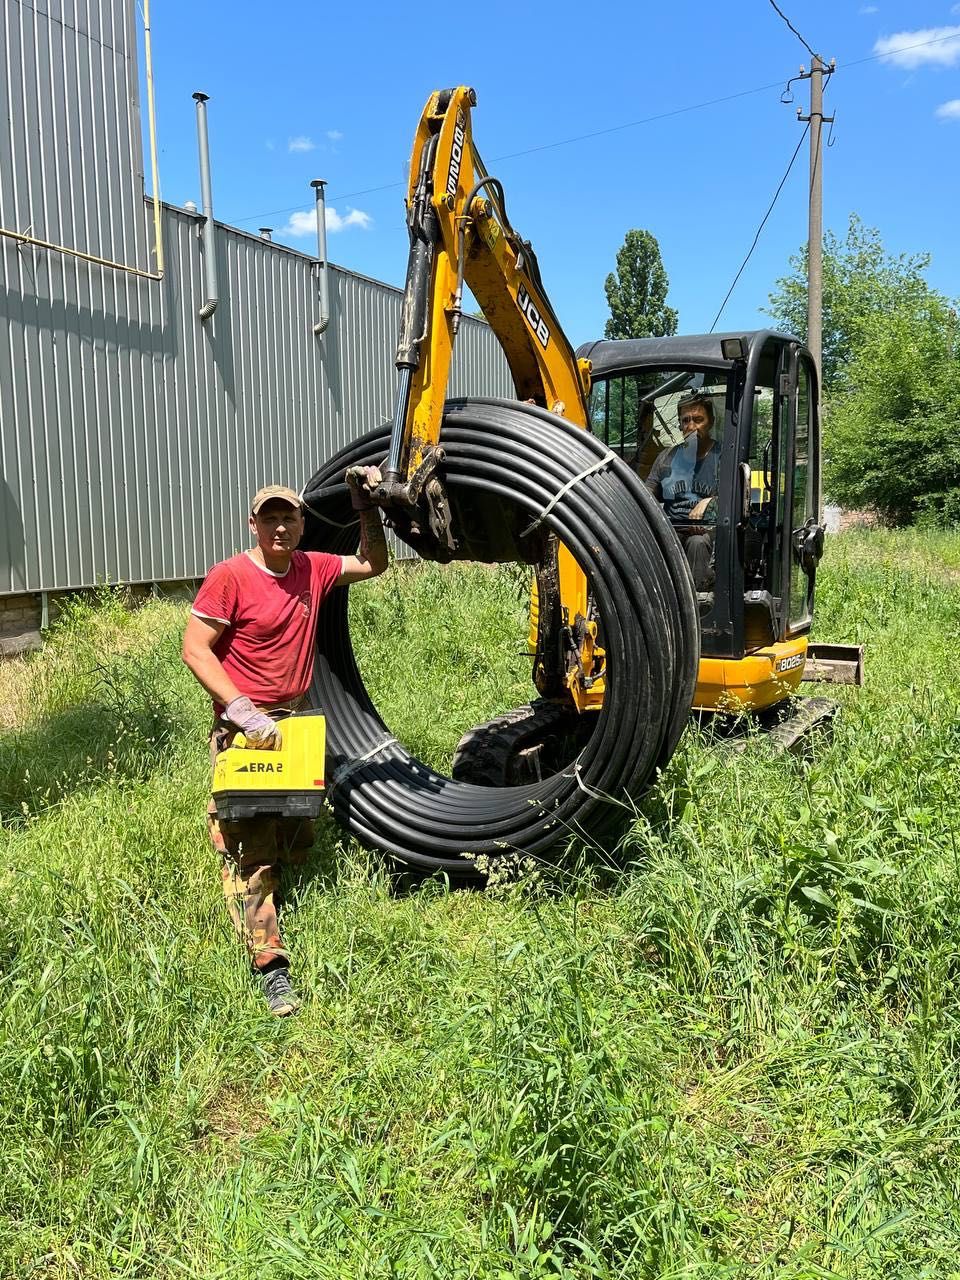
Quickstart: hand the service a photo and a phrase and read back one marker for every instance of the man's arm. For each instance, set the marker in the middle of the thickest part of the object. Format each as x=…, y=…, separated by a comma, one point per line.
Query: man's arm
x=198, y=641
x=373, y=556
x=200, y=636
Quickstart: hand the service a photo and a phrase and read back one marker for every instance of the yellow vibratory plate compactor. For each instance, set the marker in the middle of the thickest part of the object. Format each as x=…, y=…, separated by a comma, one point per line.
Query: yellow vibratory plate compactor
x=285, y=783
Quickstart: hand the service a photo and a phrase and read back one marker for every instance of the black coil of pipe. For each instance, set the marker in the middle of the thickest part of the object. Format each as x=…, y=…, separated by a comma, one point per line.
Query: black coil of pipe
x=644, y=593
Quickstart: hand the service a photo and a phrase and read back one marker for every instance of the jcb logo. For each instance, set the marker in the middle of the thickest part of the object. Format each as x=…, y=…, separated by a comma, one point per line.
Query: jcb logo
x=534, y=318
x=456, y=154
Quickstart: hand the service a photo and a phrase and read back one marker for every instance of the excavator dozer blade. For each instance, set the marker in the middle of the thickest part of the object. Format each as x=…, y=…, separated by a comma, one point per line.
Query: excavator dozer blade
x=834, y=663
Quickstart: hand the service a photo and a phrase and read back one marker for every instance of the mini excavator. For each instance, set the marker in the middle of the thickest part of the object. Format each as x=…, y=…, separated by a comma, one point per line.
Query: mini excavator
x=765, y=525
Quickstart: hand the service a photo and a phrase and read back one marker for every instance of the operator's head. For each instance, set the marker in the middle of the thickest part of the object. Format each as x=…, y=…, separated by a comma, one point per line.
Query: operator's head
x=695, y=414
x=276, y=519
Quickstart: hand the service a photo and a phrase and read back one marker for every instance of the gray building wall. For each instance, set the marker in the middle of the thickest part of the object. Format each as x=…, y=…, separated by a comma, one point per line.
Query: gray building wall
x=132, y=433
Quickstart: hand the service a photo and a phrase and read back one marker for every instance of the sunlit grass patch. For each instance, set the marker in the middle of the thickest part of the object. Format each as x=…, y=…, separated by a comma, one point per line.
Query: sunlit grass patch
x=733, y=1056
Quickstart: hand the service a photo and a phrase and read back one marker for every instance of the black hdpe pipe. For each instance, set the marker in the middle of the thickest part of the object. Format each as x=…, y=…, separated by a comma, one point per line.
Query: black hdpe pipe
x=640, y=580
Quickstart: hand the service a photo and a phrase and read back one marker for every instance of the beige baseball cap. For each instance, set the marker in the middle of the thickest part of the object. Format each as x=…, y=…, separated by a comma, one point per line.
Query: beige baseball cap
x=270, y=491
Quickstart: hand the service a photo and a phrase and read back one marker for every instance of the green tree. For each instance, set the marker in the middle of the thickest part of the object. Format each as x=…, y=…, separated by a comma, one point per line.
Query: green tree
x=891, y=378
x=637, y=291
x=860, y=281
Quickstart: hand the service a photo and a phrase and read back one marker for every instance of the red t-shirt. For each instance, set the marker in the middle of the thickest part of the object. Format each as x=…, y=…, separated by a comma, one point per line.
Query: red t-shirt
x=268, y=645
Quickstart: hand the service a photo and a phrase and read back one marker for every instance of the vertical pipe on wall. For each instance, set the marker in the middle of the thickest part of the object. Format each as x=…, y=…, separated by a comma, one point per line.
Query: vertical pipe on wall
x=318, y=184
x=206, y=195
x=152, y=118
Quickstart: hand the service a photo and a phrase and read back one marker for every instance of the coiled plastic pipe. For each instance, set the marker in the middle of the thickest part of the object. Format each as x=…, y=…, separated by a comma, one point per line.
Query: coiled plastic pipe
x=644, y=593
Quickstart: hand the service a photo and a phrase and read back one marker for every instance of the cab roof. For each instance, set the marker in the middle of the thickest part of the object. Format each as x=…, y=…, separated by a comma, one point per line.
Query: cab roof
x=616, y=355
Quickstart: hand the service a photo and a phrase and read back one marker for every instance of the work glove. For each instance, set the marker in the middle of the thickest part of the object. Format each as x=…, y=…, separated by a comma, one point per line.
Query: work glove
x=255, y=725
x=361, y=481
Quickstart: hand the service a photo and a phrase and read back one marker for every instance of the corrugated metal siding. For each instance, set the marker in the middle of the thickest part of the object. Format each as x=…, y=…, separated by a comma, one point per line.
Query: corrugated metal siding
x=71, y=165
x=131, y=434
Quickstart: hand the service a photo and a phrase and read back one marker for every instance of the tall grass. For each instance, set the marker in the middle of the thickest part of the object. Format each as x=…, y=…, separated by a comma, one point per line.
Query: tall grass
x=734, y=1057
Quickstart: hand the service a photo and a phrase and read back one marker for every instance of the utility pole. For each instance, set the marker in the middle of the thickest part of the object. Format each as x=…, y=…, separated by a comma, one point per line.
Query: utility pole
x=816, y=120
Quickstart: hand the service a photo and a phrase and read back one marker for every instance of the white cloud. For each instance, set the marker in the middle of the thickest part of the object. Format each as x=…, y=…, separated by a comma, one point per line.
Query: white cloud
x=948, y=110
x=300, y=224
x=334, y=135
x=931, y=46
x=302, y=143
x=867, y=9
x=305, y=223
x=354, y=218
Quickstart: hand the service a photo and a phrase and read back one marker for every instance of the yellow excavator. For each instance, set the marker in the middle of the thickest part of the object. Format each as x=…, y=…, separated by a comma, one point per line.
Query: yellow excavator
x=555, y=479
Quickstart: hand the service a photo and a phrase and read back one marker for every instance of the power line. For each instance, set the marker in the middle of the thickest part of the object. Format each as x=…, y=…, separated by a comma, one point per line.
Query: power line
x=921, y=44
x=547, y=146
x=793, y=28
x=584, y=137
x=294, y=208
x=763, y=220
x=632, y=124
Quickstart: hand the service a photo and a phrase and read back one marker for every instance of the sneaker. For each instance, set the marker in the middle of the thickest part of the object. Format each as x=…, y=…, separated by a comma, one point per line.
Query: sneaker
x=280, y=996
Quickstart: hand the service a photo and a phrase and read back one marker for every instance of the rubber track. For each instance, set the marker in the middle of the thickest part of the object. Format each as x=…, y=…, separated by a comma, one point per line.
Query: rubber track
x=484, y=752
x=393, y=802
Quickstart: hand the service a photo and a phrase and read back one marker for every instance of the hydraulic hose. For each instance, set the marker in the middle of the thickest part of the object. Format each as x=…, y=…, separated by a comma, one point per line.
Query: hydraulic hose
x=644, y=593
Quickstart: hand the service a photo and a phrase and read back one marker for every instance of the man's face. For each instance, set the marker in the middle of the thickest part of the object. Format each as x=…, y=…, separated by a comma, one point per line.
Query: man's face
x=277, y=526
x=695, y=418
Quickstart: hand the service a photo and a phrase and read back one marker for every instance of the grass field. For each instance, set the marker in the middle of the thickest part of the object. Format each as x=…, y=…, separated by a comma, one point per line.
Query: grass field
x=737, y=1056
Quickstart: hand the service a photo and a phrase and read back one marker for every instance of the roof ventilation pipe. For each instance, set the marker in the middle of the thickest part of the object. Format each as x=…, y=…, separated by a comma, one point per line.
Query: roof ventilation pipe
x=206, y=196
x=318, y=184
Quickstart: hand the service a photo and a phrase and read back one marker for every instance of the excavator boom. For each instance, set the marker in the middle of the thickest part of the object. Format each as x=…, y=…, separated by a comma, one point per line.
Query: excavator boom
x=460, y=234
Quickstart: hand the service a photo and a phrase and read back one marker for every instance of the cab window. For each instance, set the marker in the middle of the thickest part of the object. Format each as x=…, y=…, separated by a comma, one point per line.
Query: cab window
x=635, y=414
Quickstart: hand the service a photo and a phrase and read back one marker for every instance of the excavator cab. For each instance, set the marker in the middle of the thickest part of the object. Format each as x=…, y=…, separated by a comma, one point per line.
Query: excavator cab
x=755, y=548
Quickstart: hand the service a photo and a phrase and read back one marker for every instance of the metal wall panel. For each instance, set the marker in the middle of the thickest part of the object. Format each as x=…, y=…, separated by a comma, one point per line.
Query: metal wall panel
x=131, y=433
x=71, y=168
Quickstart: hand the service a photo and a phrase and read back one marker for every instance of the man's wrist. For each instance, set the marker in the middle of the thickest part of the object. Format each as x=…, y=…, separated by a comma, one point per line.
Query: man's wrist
x=239, y=709
x=372, y=537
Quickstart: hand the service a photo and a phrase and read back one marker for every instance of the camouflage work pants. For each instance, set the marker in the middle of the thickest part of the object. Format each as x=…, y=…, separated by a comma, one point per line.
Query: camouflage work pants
x=252, y=851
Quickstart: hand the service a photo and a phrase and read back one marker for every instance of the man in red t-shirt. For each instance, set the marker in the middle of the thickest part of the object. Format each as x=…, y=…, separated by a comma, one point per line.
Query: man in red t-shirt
x=250, y=643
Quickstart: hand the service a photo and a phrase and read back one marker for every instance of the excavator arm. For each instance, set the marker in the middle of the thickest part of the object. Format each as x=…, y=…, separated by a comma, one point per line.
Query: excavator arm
x=460, y=234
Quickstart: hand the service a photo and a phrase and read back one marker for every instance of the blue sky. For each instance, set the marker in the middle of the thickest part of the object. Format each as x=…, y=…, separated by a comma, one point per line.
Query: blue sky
x=307, y=90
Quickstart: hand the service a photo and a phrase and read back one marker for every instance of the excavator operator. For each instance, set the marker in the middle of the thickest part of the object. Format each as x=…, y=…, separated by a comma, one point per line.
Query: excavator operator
x=684, y=480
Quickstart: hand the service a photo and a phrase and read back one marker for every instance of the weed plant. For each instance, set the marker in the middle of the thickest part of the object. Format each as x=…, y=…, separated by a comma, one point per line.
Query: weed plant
x=732, y=1055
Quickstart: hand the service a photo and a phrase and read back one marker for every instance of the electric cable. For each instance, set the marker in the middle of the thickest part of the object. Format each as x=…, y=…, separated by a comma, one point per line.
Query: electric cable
x=597, y=133
x=756, y=238
x=545, y=146
x=505, y=453
x=793, y=28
